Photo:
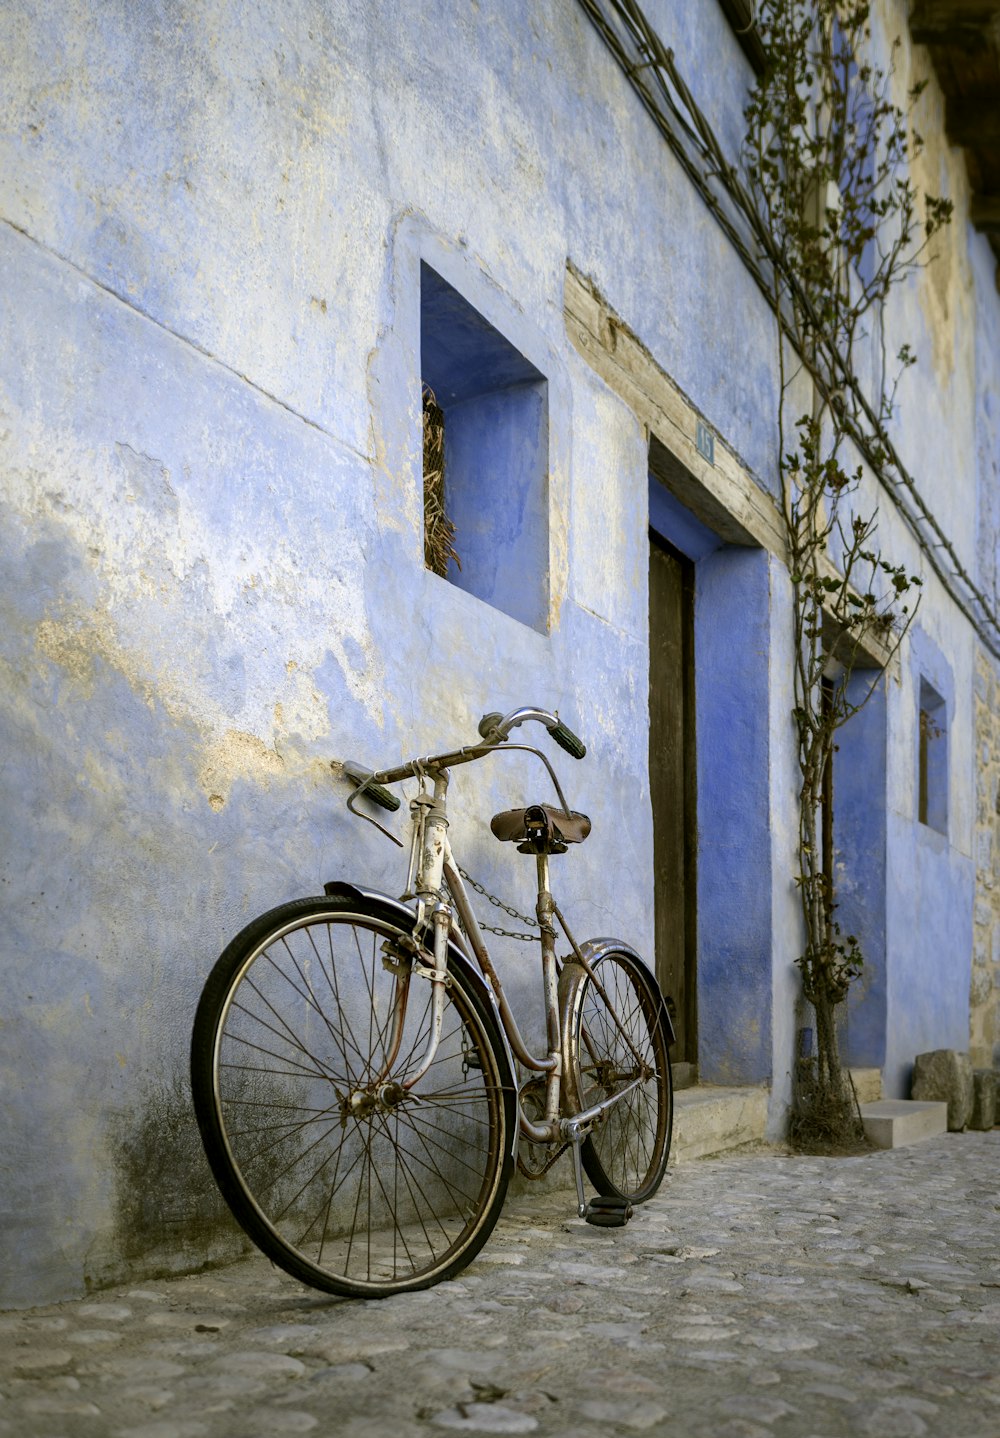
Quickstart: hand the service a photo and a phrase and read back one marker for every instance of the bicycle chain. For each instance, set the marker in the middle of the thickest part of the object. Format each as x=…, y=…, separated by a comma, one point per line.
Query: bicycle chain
x=499, y=904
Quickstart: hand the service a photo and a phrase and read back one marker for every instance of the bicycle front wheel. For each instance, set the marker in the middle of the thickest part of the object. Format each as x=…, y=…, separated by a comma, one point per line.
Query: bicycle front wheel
x=307, y=1030
x=615, y=1037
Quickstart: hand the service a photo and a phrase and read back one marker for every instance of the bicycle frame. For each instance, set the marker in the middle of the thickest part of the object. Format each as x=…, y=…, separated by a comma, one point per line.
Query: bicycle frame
x=433, y=878
x=360, y=1081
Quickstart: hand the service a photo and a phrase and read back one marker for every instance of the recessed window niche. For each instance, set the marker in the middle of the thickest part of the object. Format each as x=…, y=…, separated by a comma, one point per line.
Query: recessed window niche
x=486, y=414
x=932, y=759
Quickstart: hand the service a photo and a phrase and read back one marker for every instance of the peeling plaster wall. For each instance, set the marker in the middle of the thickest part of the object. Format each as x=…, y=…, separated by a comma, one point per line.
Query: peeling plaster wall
x=212, y=221
x=985, y=984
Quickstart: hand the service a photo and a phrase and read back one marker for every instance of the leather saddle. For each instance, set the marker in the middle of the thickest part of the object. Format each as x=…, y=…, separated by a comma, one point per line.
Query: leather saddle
x=540, y=828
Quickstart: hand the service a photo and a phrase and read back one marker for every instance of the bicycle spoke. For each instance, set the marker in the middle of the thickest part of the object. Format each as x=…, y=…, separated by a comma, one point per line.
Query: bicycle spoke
x=312, y=1073
x=334, y=986
x=326, y=1213
x=289, y=1127
x=307, y=997
x=262, y=1069
x=431, y=1165
x=255, y=1018
x=418, y=1208
x=436, y=1128
x=293, y=1163
x=368, y=975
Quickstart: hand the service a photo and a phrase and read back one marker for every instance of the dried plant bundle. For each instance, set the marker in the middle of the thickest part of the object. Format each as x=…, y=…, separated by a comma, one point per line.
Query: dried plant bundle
x=439, y=531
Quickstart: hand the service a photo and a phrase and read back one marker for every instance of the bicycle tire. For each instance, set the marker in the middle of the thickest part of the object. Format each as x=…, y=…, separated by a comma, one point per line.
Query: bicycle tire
x=345, y=1191
x=625, y=1155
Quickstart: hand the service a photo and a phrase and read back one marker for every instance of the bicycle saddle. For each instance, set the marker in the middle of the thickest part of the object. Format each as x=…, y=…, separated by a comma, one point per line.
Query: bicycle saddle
x=541, y=828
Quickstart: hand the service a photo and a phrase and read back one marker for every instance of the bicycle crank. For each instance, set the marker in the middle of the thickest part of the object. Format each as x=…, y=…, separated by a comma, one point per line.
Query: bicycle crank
x=604, y=1210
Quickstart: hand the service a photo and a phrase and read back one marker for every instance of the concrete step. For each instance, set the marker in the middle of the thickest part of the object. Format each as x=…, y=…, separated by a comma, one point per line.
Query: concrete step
x=711, y=1120
x=895, y=1122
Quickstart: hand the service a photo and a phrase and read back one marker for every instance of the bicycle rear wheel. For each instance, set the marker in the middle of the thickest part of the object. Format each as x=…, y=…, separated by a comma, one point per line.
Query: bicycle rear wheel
x=612, y=1041
x=347, y=1180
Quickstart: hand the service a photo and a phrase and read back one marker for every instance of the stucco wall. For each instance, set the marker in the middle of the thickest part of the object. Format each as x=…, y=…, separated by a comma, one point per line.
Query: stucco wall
x=212, y=221
x=985, y=990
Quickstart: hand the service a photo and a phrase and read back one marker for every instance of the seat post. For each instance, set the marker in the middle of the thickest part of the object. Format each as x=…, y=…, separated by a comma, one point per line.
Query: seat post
x=545, y=913
x=542, y=866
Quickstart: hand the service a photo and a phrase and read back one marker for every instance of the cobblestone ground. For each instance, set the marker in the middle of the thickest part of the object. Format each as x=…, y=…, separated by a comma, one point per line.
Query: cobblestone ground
x=761, y=1294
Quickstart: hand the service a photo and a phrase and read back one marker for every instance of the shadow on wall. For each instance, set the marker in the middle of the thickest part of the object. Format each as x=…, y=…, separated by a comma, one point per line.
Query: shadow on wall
x=169, y=1215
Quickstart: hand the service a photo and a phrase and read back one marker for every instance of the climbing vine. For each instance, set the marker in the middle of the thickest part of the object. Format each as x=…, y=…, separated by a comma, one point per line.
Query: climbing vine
x=827, y=157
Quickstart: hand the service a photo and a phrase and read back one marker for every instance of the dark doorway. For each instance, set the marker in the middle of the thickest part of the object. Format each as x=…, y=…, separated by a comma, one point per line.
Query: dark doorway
x=672, y=790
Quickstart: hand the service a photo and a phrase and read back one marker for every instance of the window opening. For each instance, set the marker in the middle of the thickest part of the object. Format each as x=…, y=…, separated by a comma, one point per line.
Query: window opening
x=485, y=448
x=932, y=760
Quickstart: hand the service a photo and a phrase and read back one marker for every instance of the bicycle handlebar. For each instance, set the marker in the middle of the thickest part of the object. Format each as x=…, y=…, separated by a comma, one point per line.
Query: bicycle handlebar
x=365, y=779
x=497, y=727
x=494, y=728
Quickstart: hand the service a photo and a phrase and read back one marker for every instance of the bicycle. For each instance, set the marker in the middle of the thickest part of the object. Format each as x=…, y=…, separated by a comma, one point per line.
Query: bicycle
x=354, y=1056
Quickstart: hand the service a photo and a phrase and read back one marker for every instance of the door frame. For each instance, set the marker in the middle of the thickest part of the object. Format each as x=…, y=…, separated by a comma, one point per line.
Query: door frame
x=686, y=1019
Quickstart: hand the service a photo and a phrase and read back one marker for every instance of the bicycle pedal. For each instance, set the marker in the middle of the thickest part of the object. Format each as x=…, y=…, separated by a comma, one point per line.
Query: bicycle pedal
x=608, y=1212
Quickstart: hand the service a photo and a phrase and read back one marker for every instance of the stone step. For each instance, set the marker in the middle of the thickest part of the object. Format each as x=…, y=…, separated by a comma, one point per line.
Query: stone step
x=711, y=1120
x=895, y=1122
x=867, y=1084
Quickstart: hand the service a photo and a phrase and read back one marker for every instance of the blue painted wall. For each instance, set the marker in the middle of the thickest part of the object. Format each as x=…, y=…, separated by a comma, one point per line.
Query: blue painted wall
x=931, y=878
x=860, y=856
x=736, y=940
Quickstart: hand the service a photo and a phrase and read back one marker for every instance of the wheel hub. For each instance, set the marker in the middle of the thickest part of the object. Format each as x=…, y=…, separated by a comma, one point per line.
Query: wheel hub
x=362, y=1103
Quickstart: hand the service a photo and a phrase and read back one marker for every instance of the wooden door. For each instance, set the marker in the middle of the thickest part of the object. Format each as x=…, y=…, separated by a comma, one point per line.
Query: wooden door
x=672, y=789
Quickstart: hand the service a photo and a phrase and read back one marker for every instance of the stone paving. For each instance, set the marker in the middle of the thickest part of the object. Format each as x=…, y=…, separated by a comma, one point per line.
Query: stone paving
x=759, y=1294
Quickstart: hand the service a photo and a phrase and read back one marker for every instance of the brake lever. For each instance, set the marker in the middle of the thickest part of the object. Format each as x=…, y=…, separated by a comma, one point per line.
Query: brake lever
x=354, y=771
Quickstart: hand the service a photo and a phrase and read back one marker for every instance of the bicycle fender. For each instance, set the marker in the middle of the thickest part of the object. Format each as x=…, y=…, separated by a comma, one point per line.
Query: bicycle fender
x=594, y=949
x=406, y=915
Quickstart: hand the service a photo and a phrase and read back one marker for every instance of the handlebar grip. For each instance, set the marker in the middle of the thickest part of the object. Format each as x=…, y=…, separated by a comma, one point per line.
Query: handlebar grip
x=383, y=797
x=567, y=740
x=360, y=776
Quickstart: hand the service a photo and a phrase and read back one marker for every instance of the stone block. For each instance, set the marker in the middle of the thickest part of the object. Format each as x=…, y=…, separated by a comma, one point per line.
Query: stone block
x=984, y=1099
x=981, y=986
x=711, y=1120
x=944, y=1075
x=895, y=1122
x=867, y=1085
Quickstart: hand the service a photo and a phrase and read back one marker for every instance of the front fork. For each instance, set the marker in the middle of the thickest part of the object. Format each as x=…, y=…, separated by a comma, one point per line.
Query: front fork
x=429, y=852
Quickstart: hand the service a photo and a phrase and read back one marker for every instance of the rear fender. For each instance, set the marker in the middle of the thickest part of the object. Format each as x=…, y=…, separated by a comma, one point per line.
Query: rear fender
x=594, y=949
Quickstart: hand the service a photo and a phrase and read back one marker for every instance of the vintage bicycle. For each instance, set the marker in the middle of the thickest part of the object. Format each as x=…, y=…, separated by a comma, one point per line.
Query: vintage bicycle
x=362, y=1087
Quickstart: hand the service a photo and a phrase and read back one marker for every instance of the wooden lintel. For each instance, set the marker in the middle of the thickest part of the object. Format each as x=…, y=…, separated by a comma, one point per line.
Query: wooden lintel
x=741, y=15
x=720, y=492
x=975, y=122
x=952, y=22
x=985, y=213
